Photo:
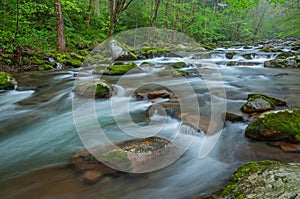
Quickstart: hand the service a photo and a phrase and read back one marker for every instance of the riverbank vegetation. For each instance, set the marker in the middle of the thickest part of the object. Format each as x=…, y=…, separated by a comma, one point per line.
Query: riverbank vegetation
x=33, y=30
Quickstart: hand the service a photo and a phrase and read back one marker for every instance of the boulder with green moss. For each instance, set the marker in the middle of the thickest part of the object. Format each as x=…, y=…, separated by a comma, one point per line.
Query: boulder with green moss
x=178, y=65
x=122, y=69
x=290, y=62
x=283, y=125
x=265, y=179
x=94, y=88
x=261, y=103
x=46, y=67
x=7, y=81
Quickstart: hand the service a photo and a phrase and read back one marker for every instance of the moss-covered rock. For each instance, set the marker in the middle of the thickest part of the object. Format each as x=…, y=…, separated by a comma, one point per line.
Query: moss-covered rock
x=291, y=62
x=7, y=81
x=261, y=103
x=94, y=88
x=275, y=126
x=265, y=179
x=74, y=62
x=178, y=65
x=46, y=67
x=122, y=69
x=172, y=73
x=230, y=55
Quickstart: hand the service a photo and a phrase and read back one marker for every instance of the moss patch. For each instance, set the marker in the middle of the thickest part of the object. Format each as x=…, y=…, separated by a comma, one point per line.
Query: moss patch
x=45, y=67
x=6, y=81
x=178, y=65
x=275, y=125
x=121, y=69
x=116, y=158
x=94, y=88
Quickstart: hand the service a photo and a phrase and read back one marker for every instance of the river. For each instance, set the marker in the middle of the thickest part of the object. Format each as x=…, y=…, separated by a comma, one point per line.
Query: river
x=38, y=135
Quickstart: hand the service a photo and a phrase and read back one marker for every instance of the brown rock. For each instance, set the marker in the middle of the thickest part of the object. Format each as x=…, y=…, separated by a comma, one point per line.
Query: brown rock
x=91, y=177
x=159, y=94
x=286, y=147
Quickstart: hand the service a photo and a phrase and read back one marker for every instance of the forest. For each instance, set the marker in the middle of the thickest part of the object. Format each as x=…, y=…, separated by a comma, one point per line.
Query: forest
x=44, y=27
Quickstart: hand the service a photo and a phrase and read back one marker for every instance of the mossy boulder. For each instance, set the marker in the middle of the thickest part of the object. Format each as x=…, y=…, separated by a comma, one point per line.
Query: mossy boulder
x=7, y=81
x=179, y=65
x=121, y=69
x=261, y=103
x=265, y=179
x=172, y=73
x=290, y=62
x=283, y=125
x=230, y=55
x=94, y=88
x=148, y=52
x=46, y=67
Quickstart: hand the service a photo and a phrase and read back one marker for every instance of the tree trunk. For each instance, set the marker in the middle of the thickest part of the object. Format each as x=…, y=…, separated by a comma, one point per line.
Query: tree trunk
x=88, y=16
x=17, y=21
x=116, y=8
x=97, y=7
x=154, y=13
x=167, y=15
x=60, y=37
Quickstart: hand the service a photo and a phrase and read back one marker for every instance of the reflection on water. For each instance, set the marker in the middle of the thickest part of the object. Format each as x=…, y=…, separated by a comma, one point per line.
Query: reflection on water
x=37, y=131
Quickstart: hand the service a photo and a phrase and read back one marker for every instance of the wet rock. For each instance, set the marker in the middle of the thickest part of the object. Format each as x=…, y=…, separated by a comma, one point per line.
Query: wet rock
x=203, y=55
x=233, y=117
x=121, y=69
x=248, y=56
x=152, y=95
x=230, y=55
x=173, y=73
x=178, y=65
x=94, y=88
x=261, y=103
x=265, y=179
x=91, y=177
x=290, y=62
x=283, y=125
x=286, y=146
x=7, y=81
x=170, y=108
x=237, y=63
x=197, y=122
x=130, y=156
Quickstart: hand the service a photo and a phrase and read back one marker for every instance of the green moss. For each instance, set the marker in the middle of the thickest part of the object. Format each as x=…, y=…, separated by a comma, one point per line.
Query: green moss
x=83, y=53
x=121, y=69
x=172, y=72
x=6, y=81
x=232, y=189
x=75, y=63
x=287, y=122
x=45, y=67
x=179, y=65
x=117, y=159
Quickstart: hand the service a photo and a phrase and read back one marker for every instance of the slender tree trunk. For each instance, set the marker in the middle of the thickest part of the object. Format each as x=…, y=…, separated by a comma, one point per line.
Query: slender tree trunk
x=167, y=15
x=60, y=37
x=97, y=7
x=88, y=16
x=17, y=21
x=116, y=8
x=154, y=13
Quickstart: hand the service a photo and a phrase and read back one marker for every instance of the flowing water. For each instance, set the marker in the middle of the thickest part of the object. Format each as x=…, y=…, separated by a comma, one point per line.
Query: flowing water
x=38, y=135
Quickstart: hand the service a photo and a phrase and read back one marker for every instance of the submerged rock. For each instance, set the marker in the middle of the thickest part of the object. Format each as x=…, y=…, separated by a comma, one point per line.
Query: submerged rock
x=285, y=146
x=281, y=125
x=261, y=103
x=233, y=117
x=130, y=156
x=197, y=122
x=94, y=88
x=7, y=81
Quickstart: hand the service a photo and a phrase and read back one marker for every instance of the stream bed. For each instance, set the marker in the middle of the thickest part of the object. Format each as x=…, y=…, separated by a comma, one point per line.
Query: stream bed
x=38, y=134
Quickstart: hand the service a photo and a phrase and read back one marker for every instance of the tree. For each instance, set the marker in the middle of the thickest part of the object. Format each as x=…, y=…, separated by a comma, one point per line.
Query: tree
x=60, y=37
x=116, y=8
